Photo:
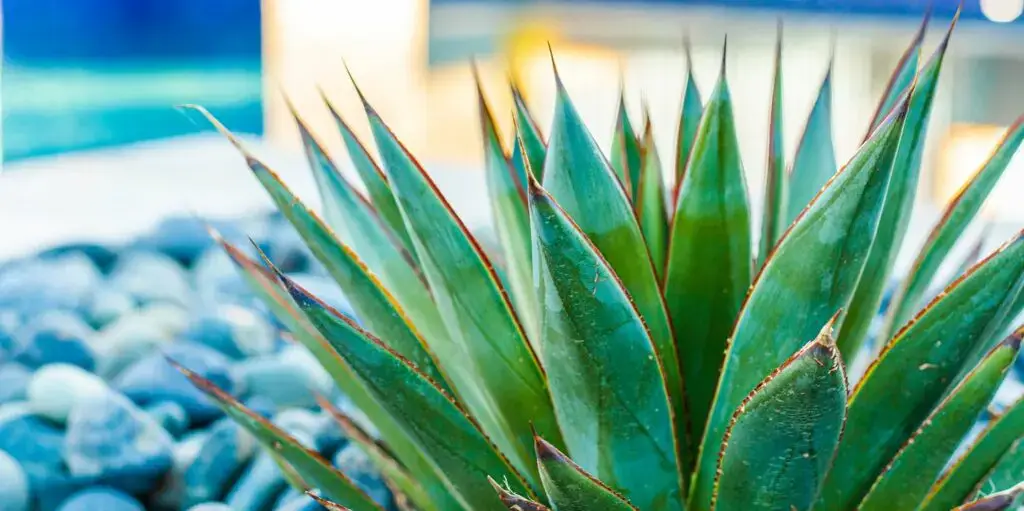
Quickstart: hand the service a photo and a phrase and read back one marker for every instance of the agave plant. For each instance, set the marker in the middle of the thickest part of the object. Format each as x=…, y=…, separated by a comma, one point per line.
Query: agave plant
x=635, y=351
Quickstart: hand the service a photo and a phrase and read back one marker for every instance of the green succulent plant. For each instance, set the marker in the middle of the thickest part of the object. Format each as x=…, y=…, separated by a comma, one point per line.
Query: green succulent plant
x=636, y=351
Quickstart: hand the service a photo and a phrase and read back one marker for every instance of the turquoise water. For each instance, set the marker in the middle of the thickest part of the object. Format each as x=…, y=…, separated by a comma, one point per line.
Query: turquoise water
x=55, y=109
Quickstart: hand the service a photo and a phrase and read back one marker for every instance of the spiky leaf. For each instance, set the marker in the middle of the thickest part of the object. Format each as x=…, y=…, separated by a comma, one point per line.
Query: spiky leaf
x=418, y=404
x=954, y=221
x=1007, y=472
x=690, y=111
x=358, y=225
x=583, y=183
x=570, y=488
x=815, y=159
x=533, y=142
x=605, y=376
x=474, y=306
x=313, y=469
x=625, y=156
x=270, y=290
x=708, y=269
x=956, y=484
x=402, y=483
x=786, y=307
x=905, y=481
x=781, y=440
x=776, y=186
x=373, y=178
x=511, y=220
x=374, y=305
x=922, y=361
x=901, y=78
x=899, y=201
x=650, y=203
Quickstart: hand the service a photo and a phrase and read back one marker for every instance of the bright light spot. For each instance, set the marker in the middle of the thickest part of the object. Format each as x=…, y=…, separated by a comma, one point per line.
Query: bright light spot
x=1002, y=11
x=965, y=147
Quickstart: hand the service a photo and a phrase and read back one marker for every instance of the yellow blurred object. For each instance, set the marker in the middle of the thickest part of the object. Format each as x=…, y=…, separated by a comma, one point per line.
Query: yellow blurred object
x=525, y=42
x=966, y=147
x=590, y=71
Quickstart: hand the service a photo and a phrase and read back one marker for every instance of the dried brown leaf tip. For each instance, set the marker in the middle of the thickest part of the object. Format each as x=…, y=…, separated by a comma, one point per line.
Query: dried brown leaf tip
x=546, y=451
x=824, y=345
x=201, y=383
x=1014, y=340
x=1002, y=501
x=330, y=506
x=513, y=501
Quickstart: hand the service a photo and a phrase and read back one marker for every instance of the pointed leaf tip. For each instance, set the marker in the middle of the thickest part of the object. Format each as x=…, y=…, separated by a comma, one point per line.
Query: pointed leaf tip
x=1014, y=340
x=924, y=21
x=330, y=506
x=214, y=233
x=370, y=111
x=827, y=335
x=223, y=130
x=304, y=299
x=944, y=44
x=781, y=438
x=570, y=487
x=546, y=451
x=725, y=54
x=554, y=67
x=533, y=187
x=688, y=51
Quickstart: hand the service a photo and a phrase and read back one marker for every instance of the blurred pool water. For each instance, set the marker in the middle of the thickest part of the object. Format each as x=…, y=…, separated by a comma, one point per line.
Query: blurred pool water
x=84, y=74
x=49, y=110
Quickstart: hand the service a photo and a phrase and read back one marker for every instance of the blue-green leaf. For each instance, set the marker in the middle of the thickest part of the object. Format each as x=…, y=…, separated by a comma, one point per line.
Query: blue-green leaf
x=625, y=156
x=402, y=484
x=773, y=222
x=899, y=201
x=475, y=309
x=709, y=253
x=270, y=290
x=905, y=481
x=534, y=148
x=606, y=378
x=373, y=304
x=650, y=203
x=376, y=182
x=310, y=467
x=583, y=183
x=960, y=211
x=809, y=276
x=781, y=439
x=922, y=361
x=902, y=76
x=956, y=484
x=815, y=159
x=357, y=225
x=690, y=111
x=462, y=453
x=571, y=488
x=511, y=220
